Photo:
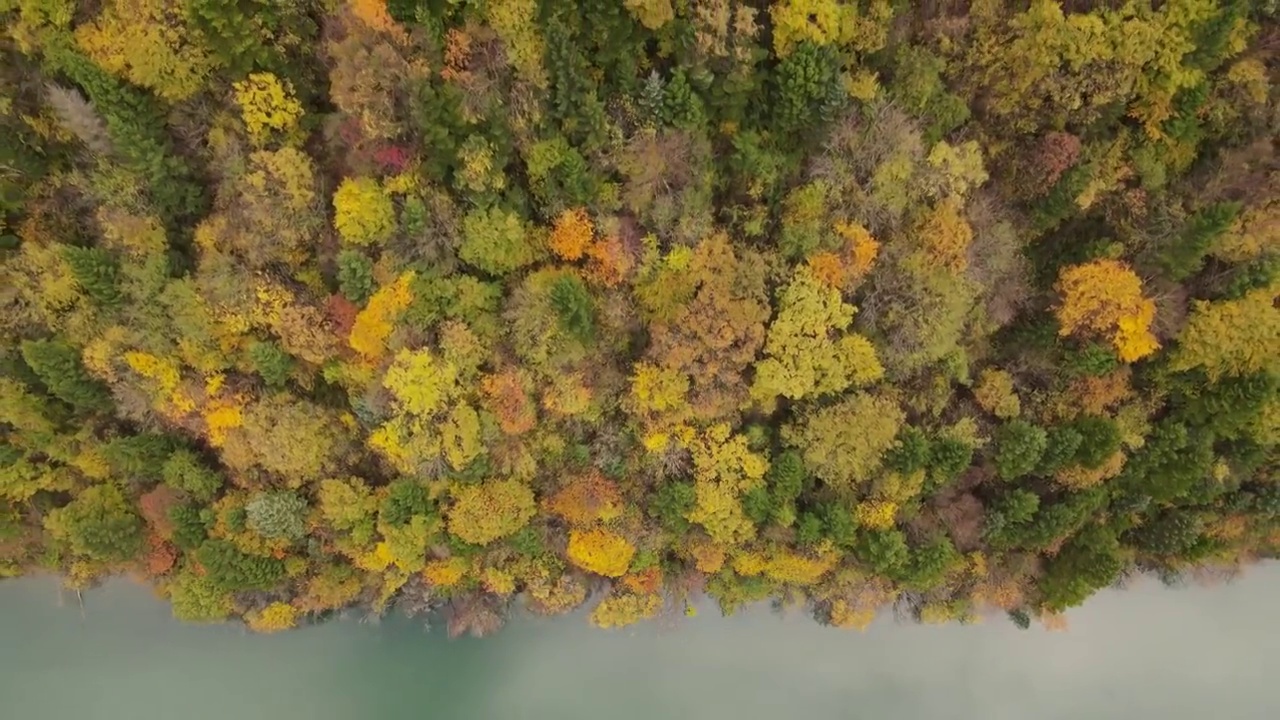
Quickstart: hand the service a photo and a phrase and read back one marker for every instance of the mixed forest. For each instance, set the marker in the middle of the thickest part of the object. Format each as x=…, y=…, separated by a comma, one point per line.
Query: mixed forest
x=463, y=306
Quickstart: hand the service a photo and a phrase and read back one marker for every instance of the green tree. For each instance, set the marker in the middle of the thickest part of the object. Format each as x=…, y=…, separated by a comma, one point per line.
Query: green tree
x=230, y=569
x=183, y=470
x=496, y=241
x=273, y=364
x=99, y=524
x=808, y=90
x=58, y=366
x=1019, y=449
x=279, y=514
x=355, y=276
x=97, y=273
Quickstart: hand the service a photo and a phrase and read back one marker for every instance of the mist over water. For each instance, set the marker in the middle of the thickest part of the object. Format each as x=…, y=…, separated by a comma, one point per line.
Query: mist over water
x=1146, y=652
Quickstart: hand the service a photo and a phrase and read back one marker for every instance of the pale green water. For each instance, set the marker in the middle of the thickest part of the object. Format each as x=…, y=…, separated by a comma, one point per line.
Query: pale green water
x=1193, y=654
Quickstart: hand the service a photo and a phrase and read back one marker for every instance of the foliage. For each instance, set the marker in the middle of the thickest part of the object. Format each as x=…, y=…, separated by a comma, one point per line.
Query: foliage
x=267, y=105
x=495, y=241
x=481, y=514
x=843, y=444
x=1019, y=449
x=277, y=515
x=99, y=524
x=230, y=569
x=363, y=213
x=626, y=609
x=184, y=471
x=58, y=366
x=600, y=552
x=196, y=598
x=462, y=305
x=273, y=618
x=1104, y=297
x=1232, y=337
x=802, y=358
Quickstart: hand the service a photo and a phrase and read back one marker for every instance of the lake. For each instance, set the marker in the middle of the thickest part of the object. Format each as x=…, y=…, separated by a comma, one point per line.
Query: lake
x=1195, y=653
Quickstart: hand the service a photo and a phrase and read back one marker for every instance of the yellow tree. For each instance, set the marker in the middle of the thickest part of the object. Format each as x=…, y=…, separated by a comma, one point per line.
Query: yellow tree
x=489, y=511
x=374, y=324
x=267, y=106
x=149, y=43
x=843, y=444
x=431, y=418
x=363, y=212
x=600, y=551
x=725, y=468
x=808, y=351
x=1103, y=298
x=1232, y=337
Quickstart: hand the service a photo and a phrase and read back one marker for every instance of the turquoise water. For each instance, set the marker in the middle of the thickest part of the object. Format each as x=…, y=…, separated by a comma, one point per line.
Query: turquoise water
x=1147, y=652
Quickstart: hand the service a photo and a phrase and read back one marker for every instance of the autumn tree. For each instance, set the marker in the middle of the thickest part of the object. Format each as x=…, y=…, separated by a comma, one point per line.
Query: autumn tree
x=807, y=351
x=600, y=551
x=1232, y=337
x=1104, y=298
x=150, y=43
x=481, y=514
x=716, y=335
x=844, y=444
x=363, y=213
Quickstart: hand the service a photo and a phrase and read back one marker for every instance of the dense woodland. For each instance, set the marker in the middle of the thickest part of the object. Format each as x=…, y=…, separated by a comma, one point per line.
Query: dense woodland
x=943, y=307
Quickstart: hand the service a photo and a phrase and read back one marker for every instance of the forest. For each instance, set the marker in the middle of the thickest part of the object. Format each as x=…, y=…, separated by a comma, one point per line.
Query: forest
x=468, y=307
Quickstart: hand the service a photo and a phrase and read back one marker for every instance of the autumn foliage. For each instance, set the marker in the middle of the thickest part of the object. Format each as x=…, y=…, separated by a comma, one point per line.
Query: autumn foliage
x=1104, y=298
x=465, y=307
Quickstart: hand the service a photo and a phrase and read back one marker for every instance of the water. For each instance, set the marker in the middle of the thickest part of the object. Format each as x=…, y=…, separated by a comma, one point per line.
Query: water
x=1147, y=652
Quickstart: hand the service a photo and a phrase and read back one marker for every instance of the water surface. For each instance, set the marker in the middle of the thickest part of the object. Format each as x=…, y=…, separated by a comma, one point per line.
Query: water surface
x=1144, y=653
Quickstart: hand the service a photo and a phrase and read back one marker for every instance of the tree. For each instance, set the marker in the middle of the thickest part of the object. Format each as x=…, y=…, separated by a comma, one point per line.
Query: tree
x=1232, y=337
x=586, y=500
x=99, y=524
x=626, y=609
x=147, y=42
x=273, y=618
x=807, y=351
x=1019, y=449
x=58, y=366
x=96, y=271
x=809, y=90
x=573, y=304
x=273, y=364
x=374, y=324
x=280, y=514
x=297, y=440
x=1104, y=298
x=571, y=235
x=1088, y=562
x=196, y=598
x=267, y=105
x=600, y=551
x=230, y=569
x=183, y=470
x=844, y=444
x=481, y=514
x=496, y=242
x=355, y=276
x=138, y=458
x=363, y=212
x=996, y=394
x=714, y=338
